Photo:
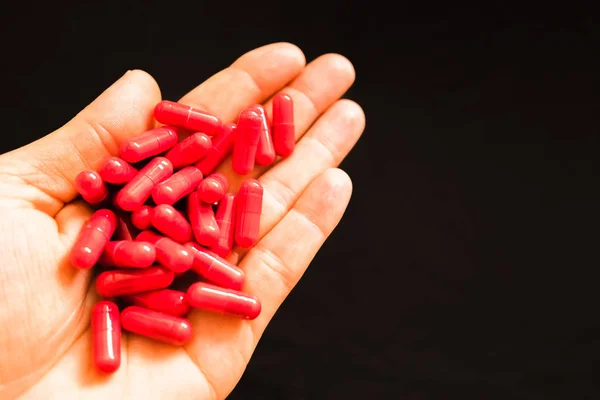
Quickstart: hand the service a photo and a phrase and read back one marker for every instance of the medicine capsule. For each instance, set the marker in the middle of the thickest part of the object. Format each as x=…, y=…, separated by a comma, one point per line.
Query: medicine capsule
x=119, y=282
x=179, y=185
x=106, y=336
x=227, y=301
x=142, y=218
x=213, y=188
x=133, y=195
x=180, y=115
x=169, y=253
x=128, y=254
x=202, y=218
x=222, y=145
x=265, y=153
x=93, y=239
x=157, y=325
x=91, y=187
x=246, y=143
x=167, y=301
x=189, y=150
x=225, y=217
x=284, y=136
x=116, y=171
x=148, y=144
x=248, y=210
x=172, y=223
x=216, y=269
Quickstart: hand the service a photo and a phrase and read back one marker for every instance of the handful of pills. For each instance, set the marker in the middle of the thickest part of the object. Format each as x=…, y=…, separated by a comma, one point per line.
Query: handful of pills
x=162, y=213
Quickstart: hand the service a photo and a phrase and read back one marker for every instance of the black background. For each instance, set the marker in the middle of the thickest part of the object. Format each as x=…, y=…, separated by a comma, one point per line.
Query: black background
x=463, y=267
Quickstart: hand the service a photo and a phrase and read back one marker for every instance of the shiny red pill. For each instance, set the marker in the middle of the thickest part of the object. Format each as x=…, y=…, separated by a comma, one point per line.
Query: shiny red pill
x=216, y=269
x=133, y=195
x=171, y=223
x=189, y=150
x=169, y=253
x=202, y=218
x=93, y=239
x=156, y=325
x=225, y=217
x=91, y=187
x=177, y=186
x=227, y=301
x=148, y=144
x=180, y=115
x=106, y=336
x=213, y=188
x=128, y=254
x=119, y=282
x=265, y=152
x=284, y=136
x=168, y=301
x=248, y=210
x=244, y=149
x=142, y=217
x=116, y=171
x=221, y=147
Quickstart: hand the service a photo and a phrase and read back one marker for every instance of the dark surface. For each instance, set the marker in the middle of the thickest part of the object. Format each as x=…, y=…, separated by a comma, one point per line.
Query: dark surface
x=464, y=265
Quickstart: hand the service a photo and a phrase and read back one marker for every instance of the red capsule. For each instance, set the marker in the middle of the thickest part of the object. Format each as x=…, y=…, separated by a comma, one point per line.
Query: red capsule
x=284, y=136
x=93, y=239
x=226, y=221
x=128, y=254
x=148, y=144
x=216, y=269
x=248, y=209
x=213, y=188
x=168, y=252
x=157, y=325
x=133, y=195
x=179, y=185
x=226, y=301
x=116, y=171
x=91, y=187
x=221, y=147
x=189, y=150
x=246, y=143
x=167, y=301
x=119, y=282
x=171, y=113
x=265, y=153
x=202, y=218
x=106, y=336
x=142, y=218
x=172, y=223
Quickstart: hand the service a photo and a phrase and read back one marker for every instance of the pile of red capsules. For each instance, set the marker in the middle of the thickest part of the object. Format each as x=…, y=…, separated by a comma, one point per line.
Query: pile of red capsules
x=163, y=213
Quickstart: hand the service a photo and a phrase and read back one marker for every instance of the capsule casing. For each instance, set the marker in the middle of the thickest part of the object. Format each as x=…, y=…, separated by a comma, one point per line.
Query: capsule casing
x=248, y=210
x=148, y=144
x=93, y=239
x=156, y=325
x=106, y=336
x=226, y=301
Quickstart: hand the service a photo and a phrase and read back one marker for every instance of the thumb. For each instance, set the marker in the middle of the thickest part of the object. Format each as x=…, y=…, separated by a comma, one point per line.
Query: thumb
x=51, y=163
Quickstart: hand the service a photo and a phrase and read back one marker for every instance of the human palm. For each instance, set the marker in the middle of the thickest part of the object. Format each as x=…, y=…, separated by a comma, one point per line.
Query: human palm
x=45, y=337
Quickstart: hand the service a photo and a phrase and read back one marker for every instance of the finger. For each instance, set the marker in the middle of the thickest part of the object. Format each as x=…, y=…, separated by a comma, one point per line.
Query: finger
x=252, y=78
x=321, y=83
x=51, y=164
x=222, y=346
x=324, y=146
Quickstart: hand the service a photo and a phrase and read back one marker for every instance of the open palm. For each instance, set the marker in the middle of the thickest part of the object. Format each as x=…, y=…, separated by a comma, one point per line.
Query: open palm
x=45, y=338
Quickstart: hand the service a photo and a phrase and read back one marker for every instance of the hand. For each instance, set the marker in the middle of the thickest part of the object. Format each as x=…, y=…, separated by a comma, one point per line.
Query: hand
x=45, y=338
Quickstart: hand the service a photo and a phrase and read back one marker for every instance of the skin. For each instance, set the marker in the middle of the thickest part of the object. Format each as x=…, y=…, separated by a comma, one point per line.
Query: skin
x=45, y=338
